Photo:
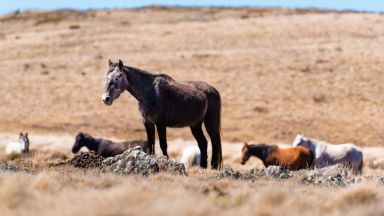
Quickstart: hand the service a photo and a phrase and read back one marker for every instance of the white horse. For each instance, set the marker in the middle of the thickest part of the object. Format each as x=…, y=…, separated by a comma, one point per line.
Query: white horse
x=18, y=147
x=191, y=156
x=327, y=154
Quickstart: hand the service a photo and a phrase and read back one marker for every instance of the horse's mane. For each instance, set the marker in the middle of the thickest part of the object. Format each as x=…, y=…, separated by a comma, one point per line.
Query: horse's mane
x=316, y=141
x=146, y=73
x=253, y=146
x=166, y=77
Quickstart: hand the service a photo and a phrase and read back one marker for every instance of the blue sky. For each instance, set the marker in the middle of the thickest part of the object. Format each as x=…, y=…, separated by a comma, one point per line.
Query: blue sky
x=7, y=6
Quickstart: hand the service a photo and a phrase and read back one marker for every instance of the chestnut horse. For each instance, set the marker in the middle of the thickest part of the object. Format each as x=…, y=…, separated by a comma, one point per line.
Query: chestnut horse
x=165, y=102
x=293, y=158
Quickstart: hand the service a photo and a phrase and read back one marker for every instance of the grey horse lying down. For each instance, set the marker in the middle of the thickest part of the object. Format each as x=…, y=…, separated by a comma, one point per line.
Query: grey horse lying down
x=104, y=147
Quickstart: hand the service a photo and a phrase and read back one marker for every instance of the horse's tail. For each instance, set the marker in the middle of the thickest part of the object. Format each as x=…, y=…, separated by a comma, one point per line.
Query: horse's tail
x=311, y=165
x=212, y=123
x=219, y=131
x=360, y=169
x=361, y=166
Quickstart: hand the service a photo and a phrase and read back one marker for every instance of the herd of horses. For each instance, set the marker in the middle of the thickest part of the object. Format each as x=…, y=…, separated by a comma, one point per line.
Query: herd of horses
x=306, y=153
x=164, y=102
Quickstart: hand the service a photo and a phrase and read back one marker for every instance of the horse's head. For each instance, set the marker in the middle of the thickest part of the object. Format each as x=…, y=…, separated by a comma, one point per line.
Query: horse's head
x=79, y=142
x=301, y=140
x=245, y=154
x=117, y=82
x=23, y=139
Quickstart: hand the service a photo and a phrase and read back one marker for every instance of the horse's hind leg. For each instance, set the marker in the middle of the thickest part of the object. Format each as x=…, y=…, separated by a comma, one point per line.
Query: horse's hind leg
x=202, y=142
x=214, y=132
x=162, y=132
x=150, y=130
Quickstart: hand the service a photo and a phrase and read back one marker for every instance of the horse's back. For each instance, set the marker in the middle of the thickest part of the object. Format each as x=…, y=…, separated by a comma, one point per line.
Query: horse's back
x=295, y=158
x=348, y=154
x=13, y=148
x=353, y=157
x=180, y=89
x=355, y=153
x=109, y=148
x=342, y=150
x=183, y=103
x=191, y=156
x=135, y=143
x=203, y=86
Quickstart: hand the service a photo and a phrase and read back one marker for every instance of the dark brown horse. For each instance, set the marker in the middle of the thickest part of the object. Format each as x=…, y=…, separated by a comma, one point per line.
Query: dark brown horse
x=293, y=158
x=164, y=102
x=104, y=147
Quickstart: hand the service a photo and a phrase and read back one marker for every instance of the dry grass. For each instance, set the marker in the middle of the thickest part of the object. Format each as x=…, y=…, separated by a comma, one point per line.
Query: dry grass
x=68, y=191
x=280, y=72
x=64, y=190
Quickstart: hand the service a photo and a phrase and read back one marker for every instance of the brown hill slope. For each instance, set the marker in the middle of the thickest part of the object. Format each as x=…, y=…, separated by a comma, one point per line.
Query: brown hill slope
x=280, y=72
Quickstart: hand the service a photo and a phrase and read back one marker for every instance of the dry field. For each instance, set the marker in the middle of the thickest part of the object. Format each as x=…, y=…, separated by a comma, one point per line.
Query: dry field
x=66, y=190
x=279, y=72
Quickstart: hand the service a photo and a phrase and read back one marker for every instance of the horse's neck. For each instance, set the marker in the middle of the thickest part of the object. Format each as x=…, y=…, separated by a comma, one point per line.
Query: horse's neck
x=259, y=152
x=318, y=146
x=140, y=83
x=92, y=144
x=25, y=146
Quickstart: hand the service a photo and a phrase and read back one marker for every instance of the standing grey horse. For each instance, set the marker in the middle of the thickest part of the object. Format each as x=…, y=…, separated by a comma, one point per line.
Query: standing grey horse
x=164, y=102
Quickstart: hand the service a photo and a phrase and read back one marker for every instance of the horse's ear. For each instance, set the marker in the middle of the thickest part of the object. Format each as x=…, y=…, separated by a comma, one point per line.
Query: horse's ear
x=26, y=134
x=110, y=62
x=21, y=134
x=245, y=146
x=121, y=65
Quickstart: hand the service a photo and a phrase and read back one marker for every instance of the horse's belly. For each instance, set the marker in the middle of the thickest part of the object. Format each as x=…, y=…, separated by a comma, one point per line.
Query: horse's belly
x=185, y=113
x=182, y=122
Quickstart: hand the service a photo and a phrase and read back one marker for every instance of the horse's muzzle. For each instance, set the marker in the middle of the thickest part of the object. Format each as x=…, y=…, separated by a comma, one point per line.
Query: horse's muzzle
x=107, y=100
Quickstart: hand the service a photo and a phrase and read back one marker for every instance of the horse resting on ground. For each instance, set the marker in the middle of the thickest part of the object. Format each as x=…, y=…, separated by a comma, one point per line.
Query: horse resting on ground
x=191, y=156
x=292, y=158
x=327, y=154
x=21, y=147
x=103, y=147
x=164, y=102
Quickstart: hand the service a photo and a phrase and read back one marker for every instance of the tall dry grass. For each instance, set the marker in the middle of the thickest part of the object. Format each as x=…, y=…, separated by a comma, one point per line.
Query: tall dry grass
x=65, y=190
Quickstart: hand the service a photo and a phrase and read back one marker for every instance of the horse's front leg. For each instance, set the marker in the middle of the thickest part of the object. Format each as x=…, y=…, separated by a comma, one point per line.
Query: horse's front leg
x=150, y=130
x=162, y=132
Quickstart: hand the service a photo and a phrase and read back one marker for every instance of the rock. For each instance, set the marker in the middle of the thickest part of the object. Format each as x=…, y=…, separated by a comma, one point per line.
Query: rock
x=252, y=174
x=379, y=180
x=336, y=175
x=338, y=169
x=317, y=178
x=86, y=160
x=277, y=172
x=136, y=161
x=170, y=165
x=11, y=167
x=356, y=180
x=229, y=172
